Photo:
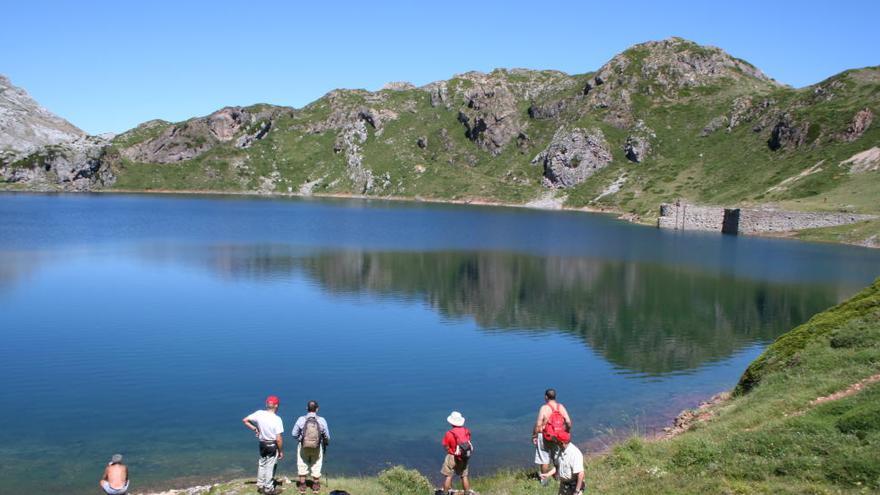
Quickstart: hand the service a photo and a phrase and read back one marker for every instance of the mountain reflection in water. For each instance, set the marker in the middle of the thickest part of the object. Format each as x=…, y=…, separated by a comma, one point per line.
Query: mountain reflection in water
x=644, y=318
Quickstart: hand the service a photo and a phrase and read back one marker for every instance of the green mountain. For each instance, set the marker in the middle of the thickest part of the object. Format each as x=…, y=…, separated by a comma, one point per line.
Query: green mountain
x=662, y=121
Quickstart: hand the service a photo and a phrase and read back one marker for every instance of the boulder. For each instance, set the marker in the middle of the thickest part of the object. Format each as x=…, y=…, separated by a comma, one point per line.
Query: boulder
x=573, y=156
x=718, y=122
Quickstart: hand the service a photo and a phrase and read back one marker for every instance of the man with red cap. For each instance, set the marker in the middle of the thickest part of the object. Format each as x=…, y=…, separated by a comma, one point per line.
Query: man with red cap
x=268, y=427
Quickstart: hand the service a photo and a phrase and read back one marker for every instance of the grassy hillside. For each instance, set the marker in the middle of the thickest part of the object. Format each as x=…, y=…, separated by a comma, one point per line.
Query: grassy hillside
x=771, y=437
x=805, y=418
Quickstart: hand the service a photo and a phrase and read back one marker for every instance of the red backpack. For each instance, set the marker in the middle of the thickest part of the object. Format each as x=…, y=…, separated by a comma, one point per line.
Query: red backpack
x=556, y=429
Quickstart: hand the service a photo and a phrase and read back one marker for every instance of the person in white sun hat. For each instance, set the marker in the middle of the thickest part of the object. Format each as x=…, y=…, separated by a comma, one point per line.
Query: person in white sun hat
x=458, y=446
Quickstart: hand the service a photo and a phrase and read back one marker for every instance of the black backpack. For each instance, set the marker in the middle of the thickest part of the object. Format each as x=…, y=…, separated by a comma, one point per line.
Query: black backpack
x=465, y=448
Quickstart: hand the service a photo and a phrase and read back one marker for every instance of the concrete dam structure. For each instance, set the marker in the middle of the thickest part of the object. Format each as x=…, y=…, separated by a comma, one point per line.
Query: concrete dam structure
x=686, y=216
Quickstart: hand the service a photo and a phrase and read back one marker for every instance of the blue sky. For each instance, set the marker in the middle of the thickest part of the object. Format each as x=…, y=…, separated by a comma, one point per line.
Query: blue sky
x=107, y=66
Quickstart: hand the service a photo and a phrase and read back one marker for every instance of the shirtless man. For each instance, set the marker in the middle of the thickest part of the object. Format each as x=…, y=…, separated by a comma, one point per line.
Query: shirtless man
x=115, y=480
x=546, y=452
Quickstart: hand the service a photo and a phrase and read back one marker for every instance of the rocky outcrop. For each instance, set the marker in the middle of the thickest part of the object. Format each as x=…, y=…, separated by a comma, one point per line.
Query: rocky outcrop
x=82, y=165
x=26, y=127
x=866, y=161
x=259, y=132
x=490, y=115
x=744, y=110
x=573, y=156
x=860, y=123
x=349, y=141
x=609, y=91
x=663, y=69
x=488, y=104
x=439, y=92
x=188, y=140
x=551, y=109
x=674, y=64
x=638, y=143
x=398, y=86
x=788, y=134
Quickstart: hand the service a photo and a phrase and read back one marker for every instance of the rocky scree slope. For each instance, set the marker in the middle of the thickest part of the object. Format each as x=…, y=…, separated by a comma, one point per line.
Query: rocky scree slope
x=661, y=121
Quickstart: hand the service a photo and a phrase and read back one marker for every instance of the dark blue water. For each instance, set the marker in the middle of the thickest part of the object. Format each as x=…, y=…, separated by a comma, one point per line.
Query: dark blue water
x=151, y=325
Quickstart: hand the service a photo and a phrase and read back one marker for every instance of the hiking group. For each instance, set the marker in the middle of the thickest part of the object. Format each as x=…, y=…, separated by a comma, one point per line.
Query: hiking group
x=555, y=454
x=312, y=438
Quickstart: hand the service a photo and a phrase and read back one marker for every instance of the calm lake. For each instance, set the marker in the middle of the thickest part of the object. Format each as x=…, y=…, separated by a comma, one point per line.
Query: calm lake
x=151, y=325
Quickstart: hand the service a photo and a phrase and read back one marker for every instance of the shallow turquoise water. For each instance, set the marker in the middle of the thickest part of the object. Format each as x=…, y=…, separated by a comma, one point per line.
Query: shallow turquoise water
x=151, y=325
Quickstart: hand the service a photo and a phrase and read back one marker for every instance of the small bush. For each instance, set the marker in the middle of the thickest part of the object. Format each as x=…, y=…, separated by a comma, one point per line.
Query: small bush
x=401, y=481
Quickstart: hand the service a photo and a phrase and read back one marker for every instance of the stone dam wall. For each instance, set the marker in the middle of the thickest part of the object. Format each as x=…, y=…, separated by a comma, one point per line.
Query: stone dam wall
x=686, y=216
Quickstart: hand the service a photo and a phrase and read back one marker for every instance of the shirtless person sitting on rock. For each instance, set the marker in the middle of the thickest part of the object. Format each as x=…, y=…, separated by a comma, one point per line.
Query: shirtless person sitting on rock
x=115, y=480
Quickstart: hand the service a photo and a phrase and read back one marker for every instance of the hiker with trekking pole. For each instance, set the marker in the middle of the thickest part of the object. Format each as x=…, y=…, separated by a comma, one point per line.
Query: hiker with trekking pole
x=313, y=437
x=552, y=429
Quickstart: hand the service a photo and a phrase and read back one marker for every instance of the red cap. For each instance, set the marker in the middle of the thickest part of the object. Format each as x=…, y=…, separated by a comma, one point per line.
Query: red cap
x=563, y=436
x=272, y=400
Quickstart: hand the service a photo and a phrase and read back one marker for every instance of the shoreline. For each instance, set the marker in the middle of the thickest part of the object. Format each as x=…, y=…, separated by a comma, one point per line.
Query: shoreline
x=663, y=427
x=618, y=214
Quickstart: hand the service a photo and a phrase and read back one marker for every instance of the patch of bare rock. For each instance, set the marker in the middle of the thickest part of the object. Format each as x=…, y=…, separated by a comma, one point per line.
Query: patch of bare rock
x=573, y=156
x=187, y=140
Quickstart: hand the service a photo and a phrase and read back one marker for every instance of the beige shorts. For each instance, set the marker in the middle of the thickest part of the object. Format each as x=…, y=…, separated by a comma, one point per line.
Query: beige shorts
x=453, y=465
x=308, y=461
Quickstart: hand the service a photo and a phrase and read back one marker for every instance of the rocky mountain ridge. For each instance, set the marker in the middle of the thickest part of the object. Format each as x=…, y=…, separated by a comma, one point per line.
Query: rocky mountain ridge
x=662, y=121
x=26, y=127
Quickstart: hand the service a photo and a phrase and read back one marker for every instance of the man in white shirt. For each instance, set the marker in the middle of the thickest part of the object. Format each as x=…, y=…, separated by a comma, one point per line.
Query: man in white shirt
x=571, y=470
x=268, y=427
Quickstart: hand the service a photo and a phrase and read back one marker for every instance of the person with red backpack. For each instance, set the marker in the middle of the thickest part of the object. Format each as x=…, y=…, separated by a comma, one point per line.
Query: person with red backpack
x=552, y=430
x=458, y=446
x=313, y=437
